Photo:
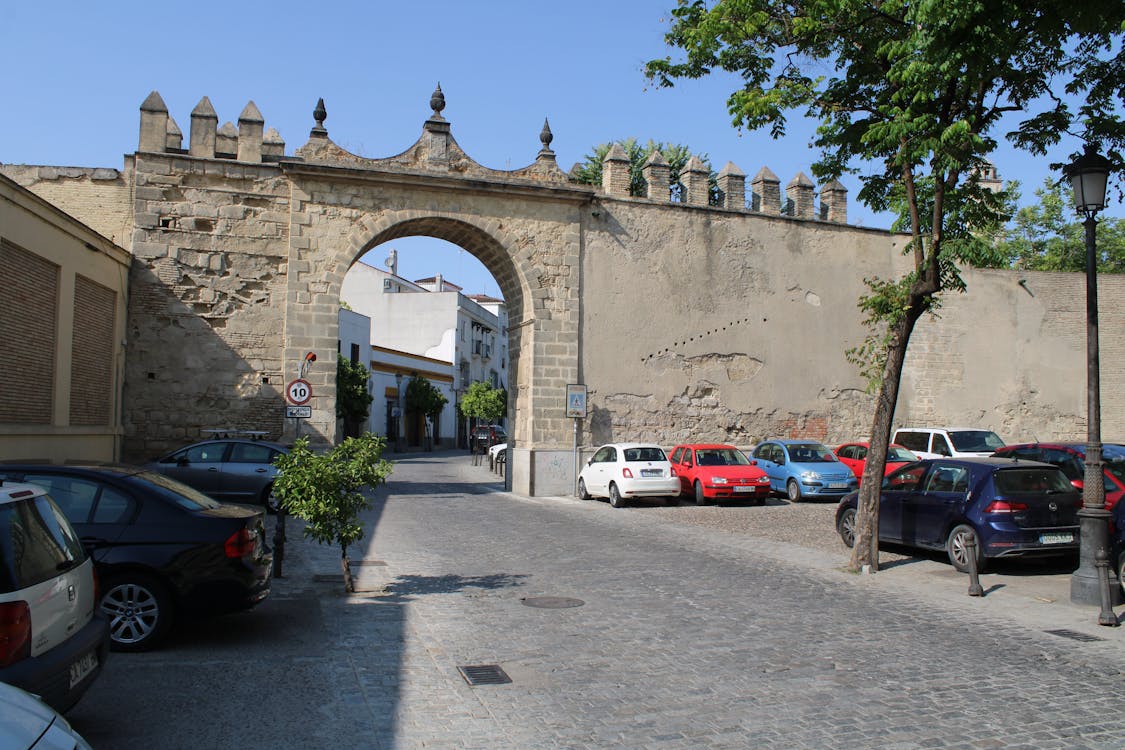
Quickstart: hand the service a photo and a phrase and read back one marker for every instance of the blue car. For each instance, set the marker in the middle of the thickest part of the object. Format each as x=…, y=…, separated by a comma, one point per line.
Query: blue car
x=804, y=468
x=1005, y=507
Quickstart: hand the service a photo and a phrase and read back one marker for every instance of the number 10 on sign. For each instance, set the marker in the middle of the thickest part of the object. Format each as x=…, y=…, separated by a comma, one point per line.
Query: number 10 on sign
x=298, y=392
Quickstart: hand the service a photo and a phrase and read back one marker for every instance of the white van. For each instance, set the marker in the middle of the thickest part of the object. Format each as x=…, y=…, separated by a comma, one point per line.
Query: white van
x=958, y=442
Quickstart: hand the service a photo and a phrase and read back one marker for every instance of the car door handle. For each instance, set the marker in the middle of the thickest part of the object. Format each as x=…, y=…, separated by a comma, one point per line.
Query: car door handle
x=259, y=471
x=213, y=468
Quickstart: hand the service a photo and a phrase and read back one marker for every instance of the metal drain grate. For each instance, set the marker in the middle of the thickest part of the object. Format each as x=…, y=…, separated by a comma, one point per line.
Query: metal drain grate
x=485, y=674
x=551, y=602
x=1074, y=635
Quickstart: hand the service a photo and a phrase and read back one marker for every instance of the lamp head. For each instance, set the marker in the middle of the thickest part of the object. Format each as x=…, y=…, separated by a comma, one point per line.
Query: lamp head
x=1088, y=175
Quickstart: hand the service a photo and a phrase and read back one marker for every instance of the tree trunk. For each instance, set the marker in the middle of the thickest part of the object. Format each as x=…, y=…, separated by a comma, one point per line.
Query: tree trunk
x=345, y=563
x=865, y=552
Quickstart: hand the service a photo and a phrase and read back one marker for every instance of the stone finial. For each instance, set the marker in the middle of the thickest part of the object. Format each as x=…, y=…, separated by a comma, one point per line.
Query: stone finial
x=546, y=155
x=658, y=176
x=272, y=143
x=732, y=184
x=204, y=123
x=766, y=192
x=799, y=192
x=154, y=124
x=250, y=126
x=834, y=202
x=695, y=177
x=437, y=103
x=320, y=114
x=616, y=179
x=174, y=138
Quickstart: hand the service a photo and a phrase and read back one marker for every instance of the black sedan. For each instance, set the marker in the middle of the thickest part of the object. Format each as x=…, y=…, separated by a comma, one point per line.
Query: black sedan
x=1003, y=507
x=161, y=549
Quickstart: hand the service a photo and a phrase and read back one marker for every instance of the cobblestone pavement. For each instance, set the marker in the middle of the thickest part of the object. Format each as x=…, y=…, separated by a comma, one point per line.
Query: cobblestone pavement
x=698, y=628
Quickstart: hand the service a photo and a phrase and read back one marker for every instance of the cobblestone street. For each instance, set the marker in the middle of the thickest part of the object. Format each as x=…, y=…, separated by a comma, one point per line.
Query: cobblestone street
x=696, y=629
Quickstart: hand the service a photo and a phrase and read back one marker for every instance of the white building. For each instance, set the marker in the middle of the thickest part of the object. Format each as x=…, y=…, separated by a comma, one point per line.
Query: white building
x=428, y=326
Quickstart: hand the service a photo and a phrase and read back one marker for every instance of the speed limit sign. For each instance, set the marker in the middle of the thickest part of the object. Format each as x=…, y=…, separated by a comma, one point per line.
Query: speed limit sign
x=298, y=391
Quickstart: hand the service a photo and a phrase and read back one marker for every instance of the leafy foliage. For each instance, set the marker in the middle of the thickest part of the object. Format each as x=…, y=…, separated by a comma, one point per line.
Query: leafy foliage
x=424, y=398
x=482, y=401
x=326, y=489
x=353, y=402
x=910, y=96
x=1048, y=237
x=589, y=172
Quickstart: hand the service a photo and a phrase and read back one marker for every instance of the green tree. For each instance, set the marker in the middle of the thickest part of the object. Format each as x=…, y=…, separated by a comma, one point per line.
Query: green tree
x=484, y=402
x=325, y=490
x=589, y=171
x=1048, y=237
x=910, y=95
x=353, y=402
x=422, y=397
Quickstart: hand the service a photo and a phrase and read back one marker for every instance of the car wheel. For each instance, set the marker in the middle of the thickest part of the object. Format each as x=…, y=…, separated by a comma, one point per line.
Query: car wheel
x=270, y=501
x=846, y=527
x=615, y=498
x=582, y=493
x=700, y=499
x=139, y=610
x=957, y=547
x=793, y=491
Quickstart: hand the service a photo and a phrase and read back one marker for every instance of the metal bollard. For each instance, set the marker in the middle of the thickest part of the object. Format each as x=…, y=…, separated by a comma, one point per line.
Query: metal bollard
x=974, y=579
x=1106, y=616
x=279, y=542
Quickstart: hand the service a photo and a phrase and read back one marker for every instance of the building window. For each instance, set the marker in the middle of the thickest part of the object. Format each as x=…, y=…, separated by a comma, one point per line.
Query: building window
x=355, y=352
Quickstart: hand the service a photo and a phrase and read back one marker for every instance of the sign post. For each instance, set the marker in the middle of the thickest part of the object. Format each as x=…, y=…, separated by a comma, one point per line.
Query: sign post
x=576, y=409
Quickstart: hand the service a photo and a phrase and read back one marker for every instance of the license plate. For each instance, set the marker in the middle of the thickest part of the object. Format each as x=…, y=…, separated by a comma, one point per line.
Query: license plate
x=745, y=489
x=837, y=485
x=652, y=473
x=1056, y=538
x=83, y=667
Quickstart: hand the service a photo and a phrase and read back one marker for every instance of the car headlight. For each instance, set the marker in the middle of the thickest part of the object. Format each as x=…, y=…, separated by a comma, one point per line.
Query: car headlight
x=809, y=476
x=718, y=480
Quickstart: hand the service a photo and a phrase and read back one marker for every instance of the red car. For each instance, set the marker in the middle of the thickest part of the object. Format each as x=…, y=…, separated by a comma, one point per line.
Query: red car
x=1071, y=458
x=854, y=455
x=714, y=471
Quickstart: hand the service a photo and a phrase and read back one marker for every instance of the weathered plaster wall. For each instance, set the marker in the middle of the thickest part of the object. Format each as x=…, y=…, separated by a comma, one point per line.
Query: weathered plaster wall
x=99, y=198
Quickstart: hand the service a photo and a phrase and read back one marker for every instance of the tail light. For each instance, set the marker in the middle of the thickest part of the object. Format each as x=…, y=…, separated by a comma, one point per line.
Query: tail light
x=627, y=473
x=1005, y=506
x=15, y=632
x=672, y=472
x=240, y=543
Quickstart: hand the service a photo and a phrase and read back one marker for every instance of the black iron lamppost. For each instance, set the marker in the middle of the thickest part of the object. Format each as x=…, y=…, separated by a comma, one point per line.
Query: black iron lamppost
x=1088, y=175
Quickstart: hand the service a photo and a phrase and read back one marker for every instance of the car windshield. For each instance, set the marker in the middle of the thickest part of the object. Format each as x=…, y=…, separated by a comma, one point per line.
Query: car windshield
x=1031, y=481
x=174, y=491
x=894, y=453
x=644, y=454
x=810, y=453
x=975, y=441
x=721, y=457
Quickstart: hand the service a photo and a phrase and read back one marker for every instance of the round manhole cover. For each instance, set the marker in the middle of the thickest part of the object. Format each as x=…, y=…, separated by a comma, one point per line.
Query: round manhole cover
x=552, y=602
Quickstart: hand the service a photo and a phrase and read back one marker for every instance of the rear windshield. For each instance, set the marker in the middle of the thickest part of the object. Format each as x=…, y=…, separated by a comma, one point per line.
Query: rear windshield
x=174, y=491
x=975, y=441
x=36, y=543
x=894, y=453
x=1030, y=481
x=644, y=454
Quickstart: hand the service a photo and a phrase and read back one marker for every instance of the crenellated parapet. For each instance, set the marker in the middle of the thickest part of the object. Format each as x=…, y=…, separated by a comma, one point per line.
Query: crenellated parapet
x=437, y=151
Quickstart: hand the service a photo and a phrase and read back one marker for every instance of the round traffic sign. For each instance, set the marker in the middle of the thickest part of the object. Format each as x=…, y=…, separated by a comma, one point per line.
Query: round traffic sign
x=298, y=391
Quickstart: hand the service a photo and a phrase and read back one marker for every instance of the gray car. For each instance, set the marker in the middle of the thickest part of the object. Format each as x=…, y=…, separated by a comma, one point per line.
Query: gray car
x=231, y=470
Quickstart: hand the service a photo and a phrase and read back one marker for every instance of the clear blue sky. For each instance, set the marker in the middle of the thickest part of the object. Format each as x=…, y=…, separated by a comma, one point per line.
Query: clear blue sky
x=77, y=72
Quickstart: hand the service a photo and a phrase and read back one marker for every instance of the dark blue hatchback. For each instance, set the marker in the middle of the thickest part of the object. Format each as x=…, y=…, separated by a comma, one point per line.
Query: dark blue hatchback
x=1008, y=507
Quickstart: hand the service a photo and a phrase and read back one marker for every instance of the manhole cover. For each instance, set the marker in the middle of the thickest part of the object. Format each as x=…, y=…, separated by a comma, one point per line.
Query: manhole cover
x=1074, y=635
x=485, y=674
x=552, y=602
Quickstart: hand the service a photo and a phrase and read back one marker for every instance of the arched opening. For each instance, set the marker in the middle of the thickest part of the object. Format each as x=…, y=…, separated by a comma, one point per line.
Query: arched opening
x=426, y=318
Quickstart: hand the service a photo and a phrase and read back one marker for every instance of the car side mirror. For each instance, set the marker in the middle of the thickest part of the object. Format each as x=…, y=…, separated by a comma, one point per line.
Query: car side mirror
x=753, y=462
x=182, y=462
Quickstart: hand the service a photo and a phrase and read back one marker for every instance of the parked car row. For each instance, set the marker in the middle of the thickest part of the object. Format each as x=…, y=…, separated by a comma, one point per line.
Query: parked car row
x=963, y=491
x=96, y=557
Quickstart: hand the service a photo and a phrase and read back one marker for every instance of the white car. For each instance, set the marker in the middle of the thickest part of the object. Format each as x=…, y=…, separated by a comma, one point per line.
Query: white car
x=27, y=723
x=948, y=442
x=625, y=470
x=53, y=644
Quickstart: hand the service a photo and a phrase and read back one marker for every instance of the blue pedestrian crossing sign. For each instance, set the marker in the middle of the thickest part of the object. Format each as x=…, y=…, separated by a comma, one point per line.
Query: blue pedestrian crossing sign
x=576, y=401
